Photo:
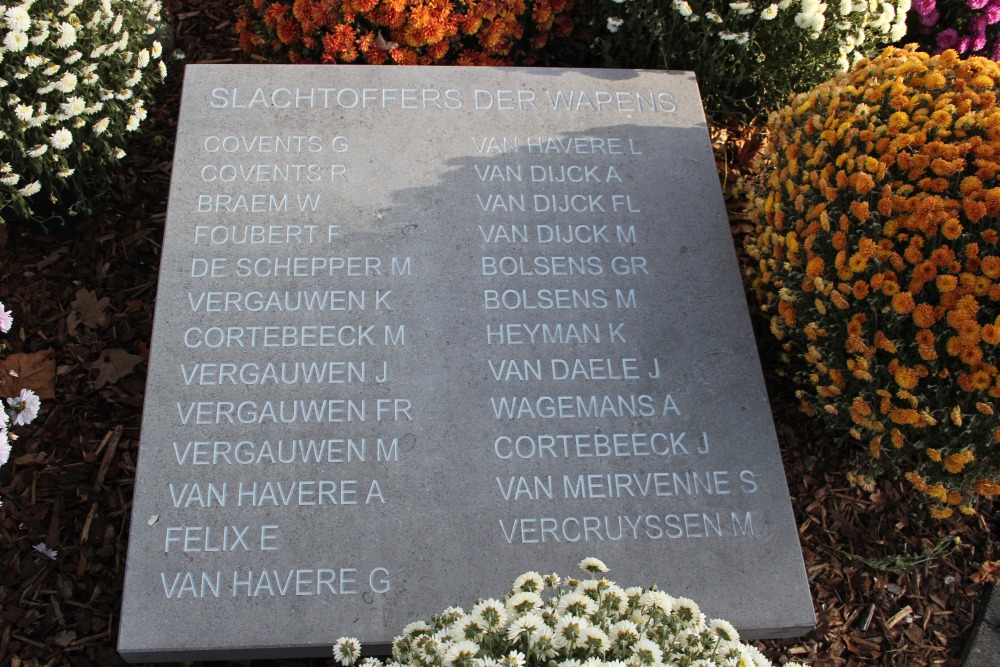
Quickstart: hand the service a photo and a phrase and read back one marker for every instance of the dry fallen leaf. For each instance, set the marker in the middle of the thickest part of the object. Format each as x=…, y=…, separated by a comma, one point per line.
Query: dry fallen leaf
x=114, y=365
x=91, y=308
x=34, y=458
x=988, y=572
x=35, y=371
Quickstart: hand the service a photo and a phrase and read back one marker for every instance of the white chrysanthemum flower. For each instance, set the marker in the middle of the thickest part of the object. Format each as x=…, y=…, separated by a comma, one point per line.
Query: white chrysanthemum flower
x=568, y=633
x=4, y=446
x=542, y=642
x=752, y=657
x=24, y=111
x=51, y=69
x=523, y=626
x=713, y=16
x=634, y=592
x=24, y=407
x=156, y=49
x=65, y=173
x=576, y=604
x=38, y=150
x=682, y=8
x=686, y=609
x=119, y=154
x=614, y=23
x=347, y=650
x=467, y=627
x=133, y=124
x=15, y=41
x=415, y=628
x=162, y=69
x=512, y=659
x=61, y=138
x=529, y=581
x=17, y=18
x=769, y=12
x=595, y=640
x=451, y=615
x=41, y=118
x=142, y=59
x=491, y=613
x=724, y=629
x=647, y=653
x=897, y=32
x=593, y=565
x=32, y=61
x=614, y=599
x=67, y=35
x=624, y=633
x=67, y=83
x=727, y=36
x=72, y=58
x=117, y=25
x=10, y=179
x=28, y=190
x=657, y=600
x=431, y=646
x=743, y=38
x=39, y=37
x=101, y=126
x=523, y=602
x=73, y=106
x=741, y=8
x=461, y=653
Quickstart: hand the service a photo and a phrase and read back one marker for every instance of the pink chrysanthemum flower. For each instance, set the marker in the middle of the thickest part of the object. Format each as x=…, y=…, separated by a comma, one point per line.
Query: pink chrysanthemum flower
x=24, y=407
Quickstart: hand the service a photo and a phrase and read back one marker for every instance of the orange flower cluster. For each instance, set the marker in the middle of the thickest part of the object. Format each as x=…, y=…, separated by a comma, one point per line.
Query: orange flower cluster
x=878, y=262
x=404, y=32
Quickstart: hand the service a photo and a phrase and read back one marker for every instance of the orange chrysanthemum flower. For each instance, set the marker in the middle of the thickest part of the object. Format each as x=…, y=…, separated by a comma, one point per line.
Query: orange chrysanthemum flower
x=924, y=268
x=924, y=316
x=903, y=303
x=954, y=463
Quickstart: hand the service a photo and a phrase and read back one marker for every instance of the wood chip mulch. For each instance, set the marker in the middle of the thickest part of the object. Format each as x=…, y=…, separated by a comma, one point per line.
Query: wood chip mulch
x=890, y=586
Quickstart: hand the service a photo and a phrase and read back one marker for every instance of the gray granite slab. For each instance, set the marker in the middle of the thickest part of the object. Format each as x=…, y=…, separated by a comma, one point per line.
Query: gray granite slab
x=419, y=330
x=984, y=641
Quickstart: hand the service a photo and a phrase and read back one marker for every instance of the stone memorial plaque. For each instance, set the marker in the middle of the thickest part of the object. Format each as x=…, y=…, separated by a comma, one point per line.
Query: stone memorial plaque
x=419, y=330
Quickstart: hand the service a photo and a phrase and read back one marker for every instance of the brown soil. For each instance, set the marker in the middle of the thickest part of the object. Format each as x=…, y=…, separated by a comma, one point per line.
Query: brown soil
x=83, y=298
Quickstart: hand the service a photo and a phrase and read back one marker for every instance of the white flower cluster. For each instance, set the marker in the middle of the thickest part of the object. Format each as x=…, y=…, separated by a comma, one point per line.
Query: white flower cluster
x=579, y=623
x=21, y=409
x=853, y=20
x=74, y=75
